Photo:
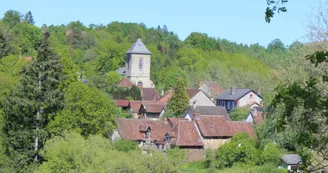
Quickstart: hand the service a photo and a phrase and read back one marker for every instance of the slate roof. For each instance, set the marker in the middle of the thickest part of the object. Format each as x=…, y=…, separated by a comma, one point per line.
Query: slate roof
x=219, y=126
x=209, y=110
x=122, y=103
x=138, y=48
x=154, y=107
x=149, y=94
x=291, y=159
x=133, y=129
x=125, y=83
x=184, y=133
x=240, y=92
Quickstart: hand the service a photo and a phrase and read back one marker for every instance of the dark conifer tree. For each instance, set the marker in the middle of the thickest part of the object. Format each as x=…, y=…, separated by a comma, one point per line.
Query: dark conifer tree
x=29, y=18
x=32, y=105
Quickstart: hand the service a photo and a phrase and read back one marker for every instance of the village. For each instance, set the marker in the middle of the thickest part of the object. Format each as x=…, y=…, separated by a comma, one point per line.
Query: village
x=204, y=125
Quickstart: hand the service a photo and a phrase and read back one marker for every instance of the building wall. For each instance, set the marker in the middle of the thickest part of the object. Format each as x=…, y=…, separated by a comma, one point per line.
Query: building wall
x=135, y=73
x=214, y=143
x=248, y=99
x=201, y=100
x=195, y=154
x=249, y=118
x=206, y=89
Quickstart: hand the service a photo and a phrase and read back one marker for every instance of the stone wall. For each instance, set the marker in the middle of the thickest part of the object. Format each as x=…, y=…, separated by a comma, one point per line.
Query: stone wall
x=195, y=154
x=214, y=143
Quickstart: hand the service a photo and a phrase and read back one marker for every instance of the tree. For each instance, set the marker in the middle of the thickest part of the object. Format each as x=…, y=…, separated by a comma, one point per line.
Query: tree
x=32, y=105
x=276, y=6
x=180, y=100
x=239, y=114
x=276, y=46
x=5, y=43
x=12, y=17
x=29, y=18
x=87, y=111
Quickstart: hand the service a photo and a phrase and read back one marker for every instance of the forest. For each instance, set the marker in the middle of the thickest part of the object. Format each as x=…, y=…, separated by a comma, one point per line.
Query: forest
x=43, y=94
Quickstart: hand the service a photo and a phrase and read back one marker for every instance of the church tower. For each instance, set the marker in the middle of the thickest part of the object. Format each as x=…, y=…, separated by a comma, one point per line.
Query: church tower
x=137, y=65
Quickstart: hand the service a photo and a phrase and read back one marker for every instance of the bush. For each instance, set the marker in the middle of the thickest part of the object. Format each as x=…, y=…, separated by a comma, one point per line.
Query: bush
x=176, y=156
x=239, y=114
x=271, y=154
x=125, y=145
x=240, y=149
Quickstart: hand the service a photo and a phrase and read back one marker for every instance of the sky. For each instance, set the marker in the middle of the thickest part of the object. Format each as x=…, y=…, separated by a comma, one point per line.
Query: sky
x=240, y=21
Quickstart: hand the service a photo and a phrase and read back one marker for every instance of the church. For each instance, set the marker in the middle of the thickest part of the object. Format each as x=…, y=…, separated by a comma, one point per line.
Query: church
x=137, y=65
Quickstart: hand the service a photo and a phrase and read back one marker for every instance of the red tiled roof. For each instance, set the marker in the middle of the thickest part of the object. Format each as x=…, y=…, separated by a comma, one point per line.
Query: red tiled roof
x=184, y=133
x=125, y=83
x=213, y=126
x=154, y=107
x=174, y=121
x=215, y=87
x=219, y=126
x=192, y=92
x=149, y=94
x=122, y=103
x=241, y=126
x=130, y=128
x=135, y=105
x=167, y=96
x=28, y=58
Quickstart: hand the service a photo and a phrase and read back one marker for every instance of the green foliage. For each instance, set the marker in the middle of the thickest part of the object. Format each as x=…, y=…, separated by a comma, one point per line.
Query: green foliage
x=202, y=41
x=87, y=111
x=179, y=102
x=271, y=154
x=276, y=6
x=32, y=104
x=240, y=149
x=125, y=145
x=28, y=18
x=239, y=114
x=176, y=156
x=12, y=17
x=133, y=93
x=73, y=153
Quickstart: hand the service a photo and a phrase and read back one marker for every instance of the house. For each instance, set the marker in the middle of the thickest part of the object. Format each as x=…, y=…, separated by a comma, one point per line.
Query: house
x=205, y=110
x=173, y=121
x=217, y=130
x=135, y=107
x=149, y=94
x=291, y=162
x=184, y=134
x=145, y=132
x=152, y=110
x=124, y=83
x=196, y=96
x=124, y=104
x=210, y=88
x=255, y=115
x=238, y=97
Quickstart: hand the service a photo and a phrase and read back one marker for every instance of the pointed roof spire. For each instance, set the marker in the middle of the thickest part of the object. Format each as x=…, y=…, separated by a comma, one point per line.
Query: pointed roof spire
x=139, y=48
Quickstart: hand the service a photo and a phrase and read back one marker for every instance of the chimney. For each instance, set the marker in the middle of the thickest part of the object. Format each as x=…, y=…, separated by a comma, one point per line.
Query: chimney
x=154, y=96
x=194, y=104
x=233, y=90
x=259, y=91
x=200, y=83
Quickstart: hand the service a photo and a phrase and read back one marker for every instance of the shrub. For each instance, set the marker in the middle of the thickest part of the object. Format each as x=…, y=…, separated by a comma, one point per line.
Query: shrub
x=271, y=154
x=125, y=145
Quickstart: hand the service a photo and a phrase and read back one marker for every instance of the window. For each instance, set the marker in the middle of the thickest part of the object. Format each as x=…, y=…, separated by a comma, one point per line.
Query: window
x=140, y=84
x=140, y=63
x=228, y=106
x=148, y=134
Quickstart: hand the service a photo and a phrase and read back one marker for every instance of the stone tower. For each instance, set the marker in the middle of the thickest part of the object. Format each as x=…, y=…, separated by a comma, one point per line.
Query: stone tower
x=138, y=65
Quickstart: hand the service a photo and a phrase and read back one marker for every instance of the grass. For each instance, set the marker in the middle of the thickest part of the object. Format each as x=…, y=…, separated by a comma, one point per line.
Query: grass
x=199, y=167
